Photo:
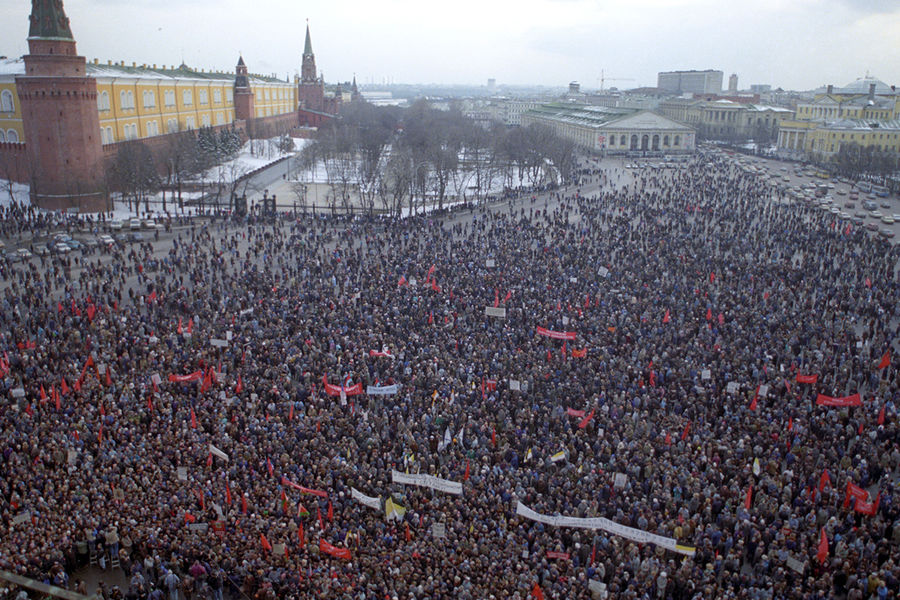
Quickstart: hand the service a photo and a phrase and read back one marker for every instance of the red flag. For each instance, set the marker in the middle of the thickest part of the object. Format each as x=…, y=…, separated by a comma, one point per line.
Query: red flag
x=209, y=461
x=712, y=277
x=108, y=378
x=466, y=476
x=885, y=360
x=507, y=297
x=586, y=419
x=291, y=412
x=265, y=543
x=666, y=317
x=593, y=553
x=180, y=328
x=269, y=466
x=684, y=433
x=824, y=479
x=807, y=378
x=240, y=385
x=330, y=512
x=494, y=436
x=244, y=504
x=55, y=395
x=748, y=501
x=402, y=281
x=668, y=439
x=496, y=297
x=709, y=314
x=64, y=387
x=150, y=404
x=59, y=307
x=301, y=536
x=822, y=553
x=227, y=493
x=408, y=534
x=755, y=398
x=868, y=282
x=536, y=592
x=431, y=271
x=189, y=518
x=334, y=551
x=790, y=423
x=319, y=515
x=431, y=317
x=193, y=419
x=881, y=415
x=152, y=297
x=190, y=327
x=43, y=394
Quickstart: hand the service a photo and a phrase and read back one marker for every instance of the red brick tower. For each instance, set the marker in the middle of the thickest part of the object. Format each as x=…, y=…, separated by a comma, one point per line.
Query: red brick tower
x=59, y=116
x=243, y=94
x=312, y=88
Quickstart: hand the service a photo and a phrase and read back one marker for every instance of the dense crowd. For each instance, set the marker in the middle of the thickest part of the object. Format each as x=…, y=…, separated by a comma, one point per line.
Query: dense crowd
x=676, y=285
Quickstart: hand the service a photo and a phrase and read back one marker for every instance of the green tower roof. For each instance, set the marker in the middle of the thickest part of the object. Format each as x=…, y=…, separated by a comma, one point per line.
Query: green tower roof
x=49, y=20
x=307, y=48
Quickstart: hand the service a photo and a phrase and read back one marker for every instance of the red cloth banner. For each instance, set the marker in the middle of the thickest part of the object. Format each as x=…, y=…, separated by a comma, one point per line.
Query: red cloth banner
x=575, y=413
x=334, y=551
x=556, y=335
x=807, y=378
x=559, y=555
x=379, y=353
x=304, y=490
x=335, y=390
x=195, y=376
x=885, y=360
x=586, y=420
x=579, y=353
x=854, y=400
x=868, y=508
x=854, y=492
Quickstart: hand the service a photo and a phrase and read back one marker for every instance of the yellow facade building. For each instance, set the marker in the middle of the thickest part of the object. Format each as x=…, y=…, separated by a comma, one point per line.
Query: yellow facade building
x=144, y=101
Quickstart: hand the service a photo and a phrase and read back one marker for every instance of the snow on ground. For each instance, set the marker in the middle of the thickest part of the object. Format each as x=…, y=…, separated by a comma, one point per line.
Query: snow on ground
x=255, y=154
x=19, y=193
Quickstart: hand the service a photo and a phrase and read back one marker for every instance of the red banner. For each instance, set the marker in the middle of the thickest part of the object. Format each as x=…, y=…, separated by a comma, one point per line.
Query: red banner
x=195, y=376
x=335, y=390
x=334, y=550
x=807, y=378
x=575, y=413
x=854, y=400
x=556, y=335
x=379, y=353
x=867, y=508
x=855, y=492
x=319, y=493
x=560, y=555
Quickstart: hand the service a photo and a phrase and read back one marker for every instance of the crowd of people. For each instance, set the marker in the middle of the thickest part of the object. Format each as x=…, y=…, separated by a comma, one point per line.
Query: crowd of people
x=166, y=411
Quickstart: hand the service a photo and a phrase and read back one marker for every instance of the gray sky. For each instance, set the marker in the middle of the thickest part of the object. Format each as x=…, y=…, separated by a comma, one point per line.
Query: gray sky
x=795, y=44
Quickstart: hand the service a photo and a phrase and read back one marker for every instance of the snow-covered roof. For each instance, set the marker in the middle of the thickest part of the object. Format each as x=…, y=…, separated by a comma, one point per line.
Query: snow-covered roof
x=12, y=66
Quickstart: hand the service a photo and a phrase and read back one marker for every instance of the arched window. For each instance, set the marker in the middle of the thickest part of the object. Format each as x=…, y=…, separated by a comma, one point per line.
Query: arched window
x=677, y=140
x=12, y=136
x=149, y=99
x=2, y=136
x=187, y=97
x=217, y=96
x=6, y=102
x=665, y=140
x=103, y=101
x=203, y=97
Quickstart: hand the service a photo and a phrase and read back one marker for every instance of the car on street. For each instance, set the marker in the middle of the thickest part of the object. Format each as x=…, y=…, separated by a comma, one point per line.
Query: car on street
x=122, y=238
x=24, y=253
x=75, y=244
x=136, y=236
x=134, y=224
x=887, y=232
x=12, y=256
x=875, y=214
x=896, y=216
x=872, y=226
x=869, y=205
x=887, y=220
x=90, y=243
x=849, y=204
x=41, y=250
x=116, y=225
x=60, y=248
x=886, y=205
x=106, y=240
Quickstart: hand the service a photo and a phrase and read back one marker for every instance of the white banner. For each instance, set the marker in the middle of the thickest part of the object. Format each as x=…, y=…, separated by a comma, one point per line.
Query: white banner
x=217, y=343
x=491, y=311
x=383, y=390
x=429, y=481
x=370, y=501
x=636, y=535
x=216, y=452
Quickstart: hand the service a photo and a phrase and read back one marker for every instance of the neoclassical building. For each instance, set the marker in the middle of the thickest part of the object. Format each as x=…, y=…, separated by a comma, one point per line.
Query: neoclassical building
x=608, y=130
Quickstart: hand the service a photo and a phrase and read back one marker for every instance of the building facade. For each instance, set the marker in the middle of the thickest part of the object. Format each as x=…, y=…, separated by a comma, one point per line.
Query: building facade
x=865, y=113
x=605, y=130
x=727, y=120
x=690, y=82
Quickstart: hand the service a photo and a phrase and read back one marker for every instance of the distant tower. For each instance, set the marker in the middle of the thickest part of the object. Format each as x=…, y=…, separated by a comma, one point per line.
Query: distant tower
x=59, y=116
x=733, y=83
x=243, y=95
x=312, y=89
x=355, y=96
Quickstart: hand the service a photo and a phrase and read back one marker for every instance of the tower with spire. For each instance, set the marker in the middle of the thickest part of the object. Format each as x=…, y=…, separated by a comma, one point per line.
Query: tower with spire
x=59, y=116
x=312, y=88
x=243, y=94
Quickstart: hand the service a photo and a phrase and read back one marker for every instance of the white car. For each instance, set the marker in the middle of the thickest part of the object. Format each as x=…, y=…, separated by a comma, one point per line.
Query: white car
x=876, y=214
x=887, y=220
x=116, y=225
x=134, y=224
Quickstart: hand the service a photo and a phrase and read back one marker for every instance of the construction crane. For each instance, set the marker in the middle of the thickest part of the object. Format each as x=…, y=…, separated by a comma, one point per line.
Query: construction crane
x=604, y=79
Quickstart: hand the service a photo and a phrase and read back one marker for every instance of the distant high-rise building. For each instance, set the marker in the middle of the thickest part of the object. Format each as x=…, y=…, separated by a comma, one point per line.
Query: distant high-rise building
x=760, y=88
x=492, y=84
x=733, y=83
x=691, y=82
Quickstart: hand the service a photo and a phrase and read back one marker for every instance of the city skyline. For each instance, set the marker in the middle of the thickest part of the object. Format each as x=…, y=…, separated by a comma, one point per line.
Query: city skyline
x=793, y=44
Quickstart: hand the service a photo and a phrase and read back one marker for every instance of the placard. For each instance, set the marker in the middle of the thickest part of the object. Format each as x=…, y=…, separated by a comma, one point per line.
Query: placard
x=101, y=369
x=198, y=527
x=22, y=517
x=246, y=311
x=229, y=335
x=620, y=481
x=413, y=281
x=155, y=378
x=278, y=549
x=794, y=564
x=705, y=374
x=72, y=456
x=217, y=343
x=573, y=280
x=182, y=473
x=499, y=311
x=515, y=385
x=565, y=320
x=603, y=272
x=490, y=263
x=438, y=530
x=732, y=387
x=763, y=390
x=18, y=392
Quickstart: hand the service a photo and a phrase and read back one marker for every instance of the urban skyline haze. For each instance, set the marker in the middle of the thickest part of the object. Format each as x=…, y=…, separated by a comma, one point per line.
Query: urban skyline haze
x=793, y=44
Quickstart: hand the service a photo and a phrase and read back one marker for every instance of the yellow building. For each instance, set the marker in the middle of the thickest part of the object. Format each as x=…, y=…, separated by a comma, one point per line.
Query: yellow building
x=865, y=113
x=143, y=101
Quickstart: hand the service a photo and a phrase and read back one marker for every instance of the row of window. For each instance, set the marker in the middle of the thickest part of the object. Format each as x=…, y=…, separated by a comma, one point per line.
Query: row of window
x=277, y=94
x=130, y=130
x=126, y=98
x=9, y=136
x=623, y=140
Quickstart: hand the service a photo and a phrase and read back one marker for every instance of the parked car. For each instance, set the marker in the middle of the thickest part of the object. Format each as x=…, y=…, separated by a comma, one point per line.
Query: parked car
x=875, y=214
x=90, y=243
x=849, y=204
x=872, y=226
x=116, y=225
x=134, y=224
x=75, y=244
x=137, y=236
x=12, y=256
x=60, y=248
x=886, y=205
x=24, y=253
x=887, y=232
x=41, y=250
x=106, y=240
x=887, y=220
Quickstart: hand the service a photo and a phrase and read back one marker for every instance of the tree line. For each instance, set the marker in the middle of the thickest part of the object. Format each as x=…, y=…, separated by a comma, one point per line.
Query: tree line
x=388, y=158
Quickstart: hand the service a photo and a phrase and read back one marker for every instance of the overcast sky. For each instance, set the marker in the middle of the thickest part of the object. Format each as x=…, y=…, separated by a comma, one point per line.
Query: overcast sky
x=795, y=44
